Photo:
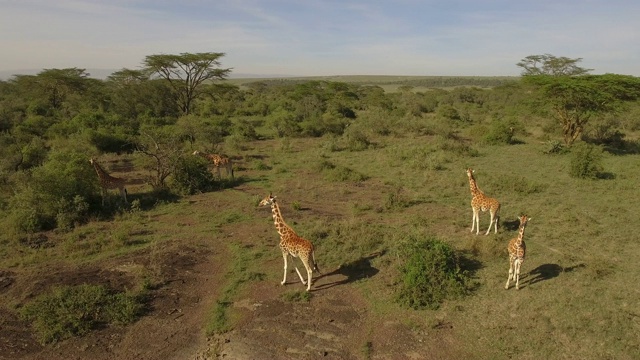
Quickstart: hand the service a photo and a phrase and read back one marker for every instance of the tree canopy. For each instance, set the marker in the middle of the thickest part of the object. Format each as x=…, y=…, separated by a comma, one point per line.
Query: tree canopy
x=575, y=99
x=186, y=73
x=548, y=64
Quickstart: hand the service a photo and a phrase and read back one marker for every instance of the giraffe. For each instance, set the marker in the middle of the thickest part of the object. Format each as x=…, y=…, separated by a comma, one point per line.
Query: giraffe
x=292, y=244
x=109, y=182
x=481, y=202
x=218, y=161
x=517, y=249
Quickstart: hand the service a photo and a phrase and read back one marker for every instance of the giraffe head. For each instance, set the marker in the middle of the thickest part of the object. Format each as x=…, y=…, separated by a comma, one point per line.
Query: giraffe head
x=92, y=161
x=523, y=219
x=269, y=200
x=470, y=172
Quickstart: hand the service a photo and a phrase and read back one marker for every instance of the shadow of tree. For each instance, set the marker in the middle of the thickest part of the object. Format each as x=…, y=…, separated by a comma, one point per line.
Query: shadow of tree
x=353, y=271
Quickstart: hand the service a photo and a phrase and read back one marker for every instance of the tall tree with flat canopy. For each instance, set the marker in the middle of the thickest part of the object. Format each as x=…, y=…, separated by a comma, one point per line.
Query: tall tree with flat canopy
x=573, y=95
x=186, y=74
x=548, y=64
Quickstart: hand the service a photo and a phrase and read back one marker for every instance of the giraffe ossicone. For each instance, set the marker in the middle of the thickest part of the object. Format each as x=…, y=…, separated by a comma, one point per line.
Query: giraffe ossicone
x=481, y=203
x=291, y=244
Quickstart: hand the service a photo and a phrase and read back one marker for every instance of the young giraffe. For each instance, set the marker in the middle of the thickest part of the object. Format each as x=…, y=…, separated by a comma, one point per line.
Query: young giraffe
x=218, y=161
x=109, y=182
x=481, y=202
x=292, y=244
x=517, y=249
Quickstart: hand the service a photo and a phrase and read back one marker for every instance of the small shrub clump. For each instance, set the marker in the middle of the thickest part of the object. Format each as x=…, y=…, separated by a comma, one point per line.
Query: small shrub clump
x=586, y=161
x=429, y=274
x=192, y=176
x=297, y=296
x=75, y=310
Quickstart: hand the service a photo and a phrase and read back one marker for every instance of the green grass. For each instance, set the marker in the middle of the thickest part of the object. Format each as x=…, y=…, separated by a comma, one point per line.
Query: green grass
x=577, y=297
x=241, y=272
x=579, y=226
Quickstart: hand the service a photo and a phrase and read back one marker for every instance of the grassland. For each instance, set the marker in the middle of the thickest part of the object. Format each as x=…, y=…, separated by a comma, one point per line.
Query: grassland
x=577, y=298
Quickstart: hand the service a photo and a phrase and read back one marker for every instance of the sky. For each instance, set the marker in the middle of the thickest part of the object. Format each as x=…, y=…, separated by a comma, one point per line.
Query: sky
x=323, y=38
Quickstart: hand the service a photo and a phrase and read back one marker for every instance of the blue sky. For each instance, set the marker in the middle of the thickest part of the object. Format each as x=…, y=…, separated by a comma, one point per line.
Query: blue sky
x=315, y=37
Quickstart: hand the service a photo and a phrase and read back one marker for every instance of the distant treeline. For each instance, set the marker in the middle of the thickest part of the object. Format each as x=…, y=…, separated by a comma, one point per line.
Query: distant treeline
x=413, y=81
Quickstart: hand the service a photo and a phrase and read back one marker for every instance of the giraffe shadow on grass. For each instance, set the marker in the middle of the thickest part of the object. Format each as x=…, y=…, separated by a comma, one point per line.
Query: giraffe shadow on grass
x=512, y=225
x=353, y=271
x=549, y=271
x=543, y=272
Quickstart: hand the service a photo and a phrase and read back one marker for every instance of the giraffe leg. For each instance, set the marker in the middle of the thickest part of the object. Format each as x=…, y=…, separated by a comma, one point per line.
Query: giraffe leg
x=305, y=262
x=491, y=223
x=123, y=193
x=517, y=273
x=473, y=219
x=218, y=169
x=300, y=276
x=284, y=278
x=510, y=274
x=309, y=276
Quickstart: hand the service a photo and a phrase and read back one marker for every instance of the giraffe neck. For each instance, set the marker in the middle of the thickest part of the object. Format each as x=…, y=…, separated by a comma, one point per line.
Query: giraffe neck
x=281, y=226
x=473, y=186
x=101, y=173
x=520, y=235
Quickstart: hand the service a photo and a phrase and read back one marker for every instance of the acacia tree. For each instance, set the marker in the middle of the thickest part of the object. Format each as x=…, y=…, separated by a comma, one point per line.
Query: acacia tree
x=548, y=64
x=575, y=99
x=573, y=95
x=162, y=148
x=186, y=74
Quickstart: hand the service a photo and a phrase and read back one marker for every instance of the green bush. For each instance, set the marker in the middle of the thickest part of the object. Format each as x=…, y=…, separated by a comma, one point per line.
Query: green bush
x=112, y=140
x=429, y=274
x=500, y=132
x=586, y=161
x=75, y=310
x=448, y=112
x=554, y=147
x=356, y=140
x=339, y=173
x=192, y=176
x=61, y=190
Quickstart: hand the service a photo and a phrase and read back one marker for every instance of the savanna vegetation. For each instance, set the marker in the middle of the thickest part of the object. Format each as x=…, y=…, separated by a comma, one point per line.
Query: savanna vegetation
x=559, y=144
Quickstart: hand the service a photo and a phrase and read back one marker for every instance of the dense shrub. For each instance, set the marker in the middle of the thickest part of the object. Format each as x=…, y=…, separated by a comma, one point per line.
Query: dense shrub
x=356, y=140
x=113, y=140
x=75, y=310
x=586, y=161
x=62, y=189
x=192, y=176
x=554, y=147
x=500, y=133
x=429, y=274
x=448, y=112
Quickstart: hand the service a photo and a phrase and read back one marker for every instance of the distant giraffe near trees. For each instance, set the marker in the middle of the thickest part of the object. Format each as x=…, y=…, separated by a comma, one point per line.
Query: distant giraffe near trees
x=517, y=250
x=481, y=203
x=108, y=182
x=292, y=244
x=218, y=161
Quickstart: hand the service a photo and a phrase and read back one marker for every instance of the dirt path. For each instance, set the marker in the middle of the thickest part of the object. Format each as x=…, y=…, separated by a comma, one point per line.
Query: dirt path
x=173, y=329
